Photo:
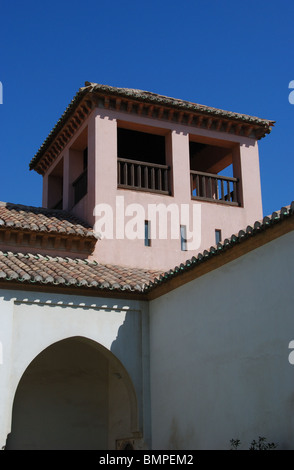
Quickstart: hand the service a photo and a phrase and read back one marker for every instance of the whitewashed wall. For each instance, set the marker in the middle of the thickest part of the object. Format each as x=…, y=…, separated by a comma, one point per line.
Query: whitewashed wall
x=219, y=355
x=219, y=352
x=30, y=322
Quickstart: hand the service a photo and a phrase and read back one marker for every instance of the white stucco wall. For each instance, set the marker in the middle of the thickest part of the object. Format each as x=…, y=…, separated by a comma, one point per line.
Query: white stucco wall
x=219, y=349
x=219, y=355
x=32, y=321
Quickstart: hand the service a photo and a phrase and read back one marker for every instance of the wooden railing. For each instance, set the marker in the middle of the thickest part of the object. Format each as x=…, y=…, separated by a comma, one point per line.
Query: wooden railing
x=132, y=174
x=215, y=188
x=80, y=186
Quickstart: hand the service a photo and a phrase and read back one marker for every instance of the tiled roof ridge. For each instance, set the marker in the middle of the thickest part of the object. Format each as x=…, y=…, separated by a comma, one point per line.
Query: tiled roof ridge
x=24, y=268
x=250, y=231
x=163, y=99
x=72, y=224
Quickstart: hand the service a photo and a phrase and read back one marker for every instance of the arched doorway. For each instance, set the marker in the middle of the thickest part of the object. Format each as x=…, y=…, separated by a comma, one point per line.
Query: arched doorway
x=74, y=395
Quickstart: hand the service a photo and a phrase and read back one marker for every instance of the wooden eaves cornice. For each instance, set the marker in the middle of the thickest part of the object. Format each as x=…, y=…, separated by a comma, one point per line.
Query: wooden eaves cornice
x=63, y=136
x=142, y=104
x=44, y=241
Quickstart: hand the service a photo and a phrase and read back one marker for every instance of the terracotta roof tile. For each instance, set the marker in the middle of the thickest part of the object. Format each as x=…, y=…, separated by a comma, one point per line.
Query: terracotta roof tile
x=148, y=98
x=38, y=219
x=75, y=272
x=155, y=98
x=40, y=269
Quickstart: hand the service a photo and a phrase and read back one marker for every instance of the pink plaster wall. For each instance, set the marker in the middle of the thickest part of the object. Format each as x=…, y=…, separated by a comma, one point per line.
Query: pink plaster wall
x=102, y=188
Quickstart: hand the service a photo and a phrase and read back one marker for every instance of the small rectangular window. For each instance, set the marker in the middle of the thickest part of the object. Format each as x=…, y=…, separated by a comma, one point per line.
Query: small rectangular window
x=147, y=233
x=218, y=236
x=183, y=229
x=85, y=158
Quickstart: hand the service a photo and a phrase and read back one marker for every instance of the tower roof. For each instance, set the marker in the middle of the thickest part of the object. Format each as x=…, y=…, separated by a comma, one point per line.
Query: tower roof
x=144, y=103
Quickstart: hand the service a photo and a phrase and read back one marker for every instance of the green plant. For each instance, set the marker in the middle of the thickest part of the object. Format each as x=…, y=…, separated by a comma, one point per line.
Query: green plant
x=261, y=444
x=235, y=444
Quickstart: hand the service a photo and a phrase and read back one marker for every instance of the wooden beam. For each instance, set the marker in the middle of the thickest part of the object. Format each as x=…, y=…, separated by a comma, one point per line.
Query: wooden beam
x=238, y=129
x=19, y=238
x=59, y=143
x=81, y=246
x=106, y=102
x=190, y=119
x=80, y=113
x=180, y=116
x=68, y=243
x=199, y=121
x=85, y=109
x=32, y=238
x=140, y=108
x=73, y=124
x=219, y=124
x=129, y=107
x=229, y=125
x=248, y=130
x=7, y=236
x=63, y=138
x=150, y=111
x=57, y=242
x=160, y=112
x=44, y=241
x=71, y=130
x=170, y=114
x=89, y=105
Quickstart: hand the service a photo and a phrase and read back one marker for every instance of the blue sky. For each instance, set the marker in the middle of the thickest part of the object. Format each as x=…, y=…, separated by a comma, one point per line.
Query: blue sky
x=232, y=55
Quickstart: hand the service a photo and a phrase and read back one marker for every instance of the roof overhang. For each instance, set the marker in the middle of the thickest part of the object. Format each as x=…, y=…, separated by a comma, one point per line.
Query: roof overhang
x=155, y=284
x=42, y=230
x=143, y=103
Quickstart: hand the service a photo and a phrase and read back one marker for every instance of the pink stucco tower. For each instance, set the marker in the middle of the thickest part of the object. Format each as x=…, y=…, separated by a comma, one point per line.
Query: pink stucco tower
x=161, y=179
